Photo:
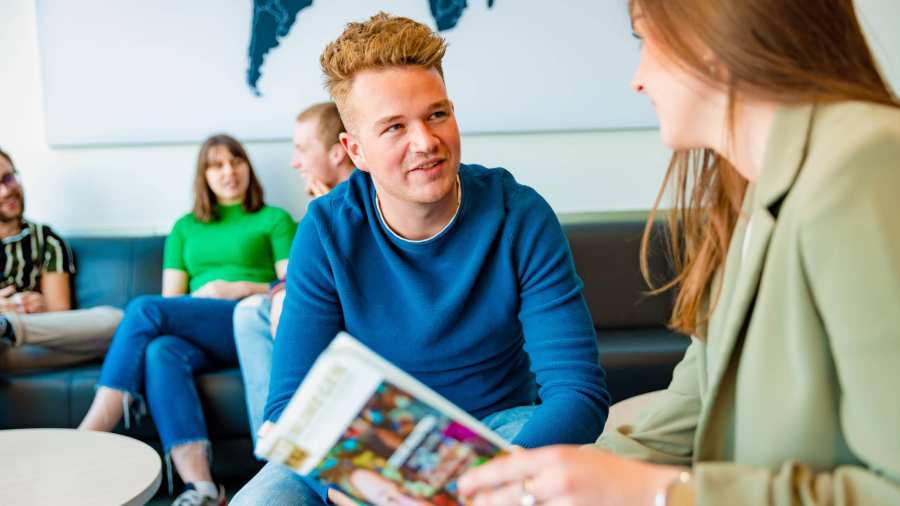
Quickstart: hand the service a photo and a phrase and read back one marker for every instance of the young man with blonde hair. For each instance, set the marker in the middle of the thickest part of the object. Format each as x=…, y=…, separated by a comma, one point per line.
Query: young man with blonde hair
x=323, y=163
x=455, y=273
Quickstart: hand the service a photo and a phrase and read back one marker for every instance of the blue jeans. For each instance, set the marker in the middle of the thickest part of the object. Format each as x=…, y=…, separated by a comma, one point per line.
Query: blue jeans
x=276, y=485
x=159, y=346
x=254, y=342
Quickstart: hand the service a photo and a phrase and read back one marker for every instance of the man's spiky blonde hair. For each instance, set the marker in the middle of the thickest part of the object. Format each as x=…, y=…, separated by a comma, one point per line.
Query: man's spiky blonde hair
x=382, y=41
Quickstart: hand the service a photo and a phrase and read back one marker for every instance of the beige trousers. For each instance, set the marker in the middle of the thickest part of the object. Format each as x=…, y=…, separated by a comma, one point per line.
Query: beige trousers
x=58, y=339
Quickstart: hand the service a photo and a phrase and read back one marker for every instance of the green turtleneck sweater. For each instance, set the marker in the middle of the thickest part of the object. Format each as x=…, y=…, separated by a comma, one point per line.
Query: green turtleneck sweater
x=239, y=246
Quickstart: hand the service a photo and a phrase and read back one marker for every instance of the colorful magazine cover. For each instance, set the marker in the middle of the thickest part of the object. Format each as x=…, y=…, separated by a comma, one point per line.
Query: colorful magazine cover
x=400, y=451
x=362, y=425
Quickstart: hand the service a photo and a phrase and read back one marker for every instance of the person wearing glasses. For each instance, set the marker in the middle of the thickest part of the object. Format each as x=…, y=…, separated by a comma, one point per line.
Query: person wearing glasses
x=38, y=327
x=232, y=245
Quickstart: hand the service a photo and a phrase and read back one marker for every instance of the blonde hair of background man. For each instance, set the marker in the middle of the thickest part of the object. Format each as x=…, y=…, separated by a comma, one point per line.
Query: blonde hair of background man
x=383, y=41
x=327, y=120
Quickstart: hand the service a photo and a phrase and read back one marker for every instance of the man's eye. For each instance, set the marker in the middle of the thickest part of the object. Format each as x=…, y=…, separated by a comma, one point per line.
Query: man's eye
x=439, y=114
x=393, y=128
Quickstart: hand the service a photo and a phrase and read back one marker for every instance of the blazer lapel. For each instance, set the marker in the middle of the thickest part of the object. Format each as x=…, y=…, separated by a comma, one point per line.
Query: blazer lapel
x=786, y=152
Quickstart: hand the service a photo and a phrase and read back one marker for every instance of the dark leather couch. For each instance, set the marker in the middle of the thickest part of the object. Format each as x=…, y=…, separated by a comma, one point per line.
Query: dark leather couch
x=636, y=349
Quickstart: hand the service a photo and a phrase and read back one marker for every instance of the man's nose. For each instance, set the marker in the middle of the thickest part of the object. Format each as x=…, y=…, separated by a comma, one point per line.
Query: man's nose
x=423, y=139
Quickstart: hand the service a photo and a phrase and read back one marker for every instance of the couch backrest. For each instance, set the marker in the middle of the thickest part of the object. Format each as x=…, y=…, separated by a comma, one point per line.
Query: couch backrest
x=606, y=249
x=605, y=246
x=114, y=270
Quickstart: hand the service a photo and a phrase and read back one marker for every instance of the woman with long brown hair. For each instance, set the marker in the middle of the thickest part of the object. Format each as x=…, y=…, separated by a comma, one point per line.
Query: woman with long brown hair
x=786, y=228
x=230, y=246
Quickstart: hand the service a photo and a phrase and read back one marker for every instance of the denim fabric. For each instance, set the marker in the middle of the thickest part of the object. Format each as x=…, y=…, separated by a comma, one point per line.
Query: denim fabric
x=254, y=342
x=276, y=485
x=159, y=346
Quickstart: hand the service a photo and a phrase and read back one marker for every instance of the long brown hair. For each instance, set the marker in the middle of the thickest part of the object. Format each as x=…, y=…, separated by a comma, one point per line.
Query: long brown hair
x=787, y=51
x=8, y=158
x=204, y=198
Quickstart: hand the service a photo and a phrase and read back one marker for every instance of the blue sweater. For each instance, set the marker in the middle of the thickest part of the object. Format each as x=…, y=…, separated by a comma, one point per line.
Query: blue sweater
x=489, y=313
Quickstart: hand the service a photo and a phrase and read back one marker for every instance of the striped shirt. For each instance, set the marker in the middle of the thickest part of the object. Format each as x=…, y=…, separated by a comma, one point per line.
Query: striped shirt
x=34, y=250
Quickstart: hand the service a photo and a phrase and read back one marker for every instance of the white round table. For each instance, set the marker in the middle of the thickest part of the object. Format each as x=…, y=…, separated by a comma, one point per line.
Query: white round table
x=72, y=467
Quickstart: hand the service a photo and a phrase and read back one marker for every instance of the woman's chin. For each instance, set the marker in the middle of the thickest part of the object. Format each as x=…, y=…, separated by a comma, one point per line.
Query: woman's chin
x=676, y=142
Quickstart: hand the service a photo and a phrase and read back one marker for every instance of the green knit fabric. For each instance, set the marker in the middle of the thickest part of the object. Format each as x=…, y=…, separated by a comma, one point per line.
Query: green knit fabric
x=240, y=246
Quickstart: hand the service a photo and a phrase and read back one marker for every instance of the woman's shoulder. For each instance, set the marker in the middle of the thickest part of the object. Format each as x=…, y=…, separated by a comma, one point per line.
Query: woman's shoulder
x=851, y=127
x=853, y=153
x=849, y=139
x=185, y=221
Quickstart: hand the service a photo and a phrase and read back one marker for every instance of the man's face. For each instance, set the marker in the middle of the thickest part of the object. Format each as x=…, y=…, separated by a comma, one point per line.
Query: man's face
x=404, y=133
x=311, y=157
x=12, y=201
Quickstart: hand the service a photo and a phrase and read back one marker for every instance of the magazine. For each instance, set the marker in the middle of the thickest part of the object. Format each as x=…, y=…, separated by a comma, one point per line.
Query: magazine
x=361, y=424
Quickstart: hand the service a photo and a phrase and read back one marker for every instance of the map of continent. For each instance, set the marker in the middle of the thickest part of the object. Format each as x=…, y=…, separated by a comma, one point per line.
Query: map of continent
x=273, y=19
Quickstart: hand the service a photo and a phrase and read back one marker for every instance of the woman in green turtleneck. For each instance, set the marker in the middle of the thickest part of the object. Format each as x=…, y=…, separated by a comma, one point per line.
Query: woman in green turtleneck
x=231, y=246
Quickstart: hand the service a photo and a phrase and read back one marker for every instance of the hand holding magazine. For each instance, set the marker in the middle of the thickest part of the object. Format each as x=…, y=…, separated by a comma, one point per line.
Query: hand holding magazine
x=363, y=425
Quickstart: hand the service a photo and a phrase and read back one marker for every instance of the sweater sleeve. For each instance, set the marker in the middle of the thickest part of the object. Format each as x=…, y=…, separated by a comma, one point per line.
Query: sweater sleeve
x=558, y=329
x=665, y=433
x=173, y=252
x=310, y=319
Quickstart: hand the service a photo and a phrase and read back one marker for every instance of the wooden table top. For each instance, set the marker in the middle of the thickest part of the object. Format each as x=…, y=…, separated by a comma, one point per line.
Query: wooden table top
x=67, y=466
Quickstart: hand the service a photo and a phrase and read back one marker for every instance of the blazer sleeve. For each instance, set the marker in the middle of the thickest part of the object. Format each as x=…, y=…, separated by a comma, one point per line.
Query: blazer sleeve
x=850, y=248
x=664, y=434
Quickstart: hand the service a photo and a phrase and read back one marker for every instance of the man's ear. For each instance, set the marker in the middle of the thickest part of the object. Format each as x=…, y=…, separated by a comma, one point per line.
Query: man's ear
x=354, y=150
x=337, y=154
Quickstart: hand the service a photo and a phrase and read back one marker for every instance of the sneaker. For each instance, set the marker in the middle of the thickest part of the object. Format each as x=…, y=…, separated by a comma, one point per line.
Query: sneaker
x=192, y=497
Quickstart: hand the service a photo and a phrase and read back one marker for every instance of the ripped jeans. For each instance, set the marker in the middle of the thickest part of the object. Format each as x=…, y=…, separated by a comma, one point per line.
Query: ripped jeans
x=160, y=345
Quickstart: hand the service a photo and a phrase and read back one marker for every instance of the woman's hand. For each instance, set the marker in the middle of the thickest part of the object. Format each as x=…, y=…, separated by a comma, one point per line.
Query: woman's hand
x=231, y=290
x=565, y=475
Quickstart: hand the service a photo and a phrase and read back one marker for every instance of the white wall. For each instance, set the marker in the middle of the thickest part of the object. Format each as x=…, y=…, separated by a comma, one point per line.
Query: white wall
x=142, y=189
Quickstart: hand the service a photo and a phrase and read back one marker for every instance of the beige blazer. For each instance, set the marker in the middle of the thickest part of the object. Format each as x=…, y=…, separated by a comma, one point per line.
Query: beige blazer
x=793, y=397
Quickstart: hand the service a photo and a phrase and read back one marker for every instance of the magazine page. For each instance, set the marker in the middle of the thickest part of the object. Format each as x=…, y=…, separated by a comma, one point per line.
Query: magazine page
x=359, y=423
